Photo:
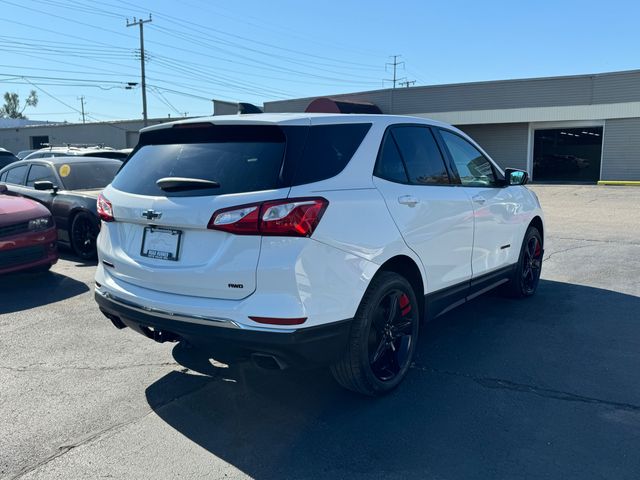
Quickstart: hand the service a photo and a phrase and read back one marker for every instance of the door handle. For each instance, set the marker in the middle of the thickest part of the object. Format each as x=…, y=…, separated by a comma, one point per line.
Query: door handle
x=408, y=200
x=478, y=199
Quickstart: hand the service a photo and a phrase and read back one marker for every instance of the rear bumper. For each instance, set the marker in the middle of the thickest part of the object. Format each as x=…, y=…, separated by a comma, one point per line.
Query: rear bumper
x=229, y=342
x=28, y=250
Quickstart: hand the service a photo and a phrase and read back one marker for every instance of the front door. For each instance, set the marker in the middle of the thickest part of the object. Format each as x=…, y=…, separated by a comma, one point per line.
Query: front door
x=495, y=207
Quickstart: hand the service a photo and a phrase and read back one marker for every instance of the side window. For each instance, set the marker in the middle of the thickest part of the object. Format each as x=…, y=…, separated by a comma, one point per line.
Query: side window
x=328, y=150
x=421, y=155
x=474, y=169
x=40, y=172
x=16, y=175
x=389, y=165
x=3, y=177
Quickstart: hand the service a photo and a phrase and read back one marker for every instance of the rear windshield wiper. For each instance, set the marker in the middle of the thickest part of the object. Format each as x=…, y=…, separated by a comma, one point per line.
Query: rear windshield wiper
x=176, y=184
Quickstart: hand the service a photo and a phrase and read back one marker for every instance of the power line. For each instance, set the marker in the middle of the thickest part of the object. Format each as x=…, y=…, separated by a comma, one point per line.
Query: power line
x=66, y=104
x=287, y=32
x=208, y=29
x=40, y=69
x=158, y=94
x=49, y=14
x=231, y=83
x=177, y=92
x=122, y=84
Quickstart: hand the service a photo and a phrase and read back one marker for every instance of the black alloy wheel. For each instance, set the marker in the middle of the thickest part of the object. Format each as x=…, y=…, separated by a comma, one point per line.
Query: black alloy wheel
x=526, y=274
x=531, y=265
x=391, y=335
x=383, y=337
x=84, y=234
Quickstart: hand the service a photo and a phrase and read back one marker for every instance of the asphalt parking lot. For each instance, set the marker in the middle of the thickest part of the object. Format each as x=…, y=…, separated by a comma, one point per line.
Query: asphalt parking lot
x=543, y=388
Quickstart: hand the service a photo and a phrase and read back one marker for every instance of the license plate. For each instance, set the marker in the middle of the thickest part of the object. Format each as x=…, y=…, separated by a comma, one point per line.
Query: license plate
x=162, y=243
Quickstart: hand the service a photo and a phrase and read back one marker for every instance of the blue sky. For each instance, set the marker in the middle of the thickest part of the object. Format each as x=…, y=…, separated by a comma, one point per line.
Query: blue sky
x=256, y=51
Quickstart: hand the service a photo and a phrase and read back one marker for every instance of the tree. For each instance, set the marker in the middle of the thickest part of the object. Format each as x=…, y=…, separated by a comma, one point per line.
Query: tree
x=11, y=108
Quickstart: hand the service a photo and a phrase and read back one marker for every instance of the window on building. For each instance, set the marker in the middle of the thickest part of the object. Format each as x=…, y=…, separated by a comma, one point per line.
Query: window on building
x=39, y=141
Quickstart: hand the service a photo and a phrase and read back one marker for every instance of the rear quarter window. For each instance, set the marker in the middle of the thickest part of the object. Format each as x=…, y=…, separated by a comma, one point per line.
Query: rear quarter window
x=328, y=150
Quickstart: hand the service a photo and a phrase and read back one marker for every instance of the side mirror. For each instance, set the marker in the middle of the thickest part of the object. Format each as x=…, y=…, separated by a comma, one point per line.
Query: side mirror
x=3, y=188
x=515, y=177
x=45, y=185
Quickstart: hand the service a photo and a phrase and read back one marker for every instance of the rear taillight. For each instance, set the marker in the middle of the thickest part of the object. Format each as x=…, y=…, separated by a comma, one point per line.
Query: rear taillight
x=291, y=217
x=105, y=209
x=239, y=220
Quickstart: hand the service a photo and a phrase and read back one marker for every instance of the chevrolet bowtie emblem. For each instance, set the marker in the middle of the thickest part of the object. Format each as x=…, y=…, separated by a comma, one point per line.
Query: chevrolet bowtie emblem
x=151, y=214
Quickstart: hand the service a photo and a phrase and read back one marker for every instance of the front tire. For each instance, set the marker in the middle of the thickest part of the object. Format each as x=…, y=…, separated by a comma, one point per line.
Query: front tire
x=383, y=337
x=83, y=235
x=526, y=275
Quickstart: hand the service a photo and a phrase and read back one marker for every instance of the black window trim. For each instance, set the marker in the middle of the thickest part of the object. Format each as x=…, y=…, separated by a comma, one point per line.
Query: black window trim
x=445, y=158
x=500, y=182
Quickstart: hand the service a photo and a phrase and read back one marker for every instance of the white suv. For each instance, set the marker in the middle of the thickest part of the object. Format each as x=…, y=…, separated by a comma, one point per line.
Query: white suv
x=310, y=239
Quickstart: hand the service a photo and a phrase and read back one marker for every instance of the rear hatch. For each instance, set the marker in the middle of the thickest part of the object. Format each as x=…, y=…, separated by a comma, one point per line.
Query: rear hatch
x=160, y=238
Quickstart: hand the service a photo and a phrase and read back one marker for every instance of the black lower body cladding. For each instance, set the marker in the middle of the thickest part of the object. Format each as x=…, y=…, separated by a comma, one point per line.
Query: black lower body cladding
x=304, y=348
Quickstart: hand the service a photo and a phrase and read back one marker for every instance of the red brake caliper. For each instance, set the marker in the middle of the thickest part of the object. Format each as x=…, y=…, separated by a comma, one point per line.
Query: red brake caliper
x=405, y=305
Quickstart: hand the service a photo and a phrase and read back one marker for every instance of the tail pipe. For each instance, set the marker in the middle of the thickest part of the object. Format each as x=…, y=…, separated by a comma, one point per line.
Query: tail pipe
x=159, y=336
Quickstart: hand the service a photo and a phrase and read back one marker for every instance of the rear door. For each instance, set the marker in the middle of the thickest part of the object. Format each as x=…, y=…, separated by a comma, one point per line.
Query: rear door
x=434, y=216
x=160, y=240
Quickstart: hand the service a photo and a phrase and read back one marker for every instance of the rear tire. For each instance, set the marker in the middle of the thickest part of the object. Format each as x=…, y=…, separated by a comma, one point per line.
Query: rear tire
x=383, y=337
x=526, y=275
x=83, y=235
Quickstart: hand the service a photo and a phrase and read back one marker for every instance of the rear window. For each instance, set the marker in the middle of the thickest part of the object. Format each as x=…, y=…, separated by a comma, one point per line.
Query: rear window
x=87, y=176
x=239, y=158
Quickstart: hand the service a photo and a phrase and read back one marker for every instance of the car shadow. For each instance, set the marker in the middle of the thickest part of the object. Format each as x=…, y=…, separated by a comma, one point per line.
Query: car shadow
x=67, y=254
x=22, y=291
x=500, y=389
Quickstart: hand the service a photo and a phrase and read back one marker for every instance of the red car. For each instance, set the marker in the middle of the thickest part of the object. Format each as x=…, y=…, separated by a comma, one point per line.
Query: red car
x=27, y=235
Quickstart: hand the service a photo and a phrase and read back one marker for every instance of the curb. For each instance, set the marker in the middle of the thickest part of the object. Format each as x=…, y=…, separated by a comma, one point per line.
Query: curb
x=620, y=182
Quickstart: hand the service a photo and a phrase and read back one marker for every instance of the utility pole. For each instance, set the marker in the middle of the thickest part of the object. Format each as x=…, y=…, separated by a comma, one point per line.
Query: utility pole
x=407, y=83
x=81, y=98
x=395, y=65
x=141, y=23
